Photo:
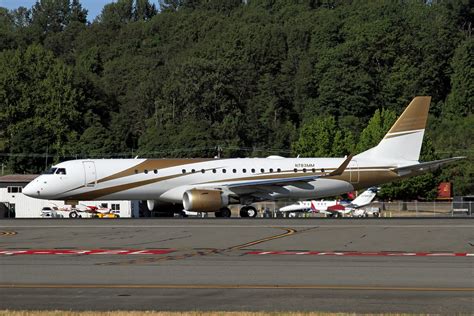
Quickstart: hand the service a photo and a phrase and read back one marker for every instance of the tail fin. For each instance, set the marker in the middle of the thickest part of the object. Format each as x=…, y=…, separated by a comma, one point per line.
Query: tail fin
x=365, y=198
x=403, y=141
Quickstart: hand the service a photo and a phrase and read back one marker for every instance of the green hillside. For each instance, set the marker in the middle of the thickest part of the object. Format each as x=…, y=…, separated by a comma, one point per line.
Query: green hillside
x=254, y=77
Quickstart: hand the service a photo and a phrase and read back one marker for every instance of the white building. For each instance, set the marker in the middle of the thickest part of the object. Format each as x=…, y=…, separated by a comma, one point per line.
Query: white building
x=13, y=203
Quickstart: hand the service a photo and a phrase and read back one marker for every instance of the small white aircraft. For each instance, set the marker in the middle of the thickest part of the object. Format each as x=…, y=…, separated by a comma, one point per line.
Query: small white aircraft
x=211, y=185
x=332, y=208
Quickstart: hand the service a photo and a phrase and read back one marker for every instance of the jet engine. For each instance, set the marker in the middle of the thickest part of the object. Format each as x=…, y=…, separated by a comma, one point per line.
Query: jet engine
x=204, y=200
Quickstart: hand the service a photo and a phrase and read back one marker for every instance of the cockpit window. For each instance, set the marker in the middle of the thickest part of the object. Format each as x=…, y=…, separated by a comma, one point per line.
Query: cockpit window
x=50, y=171
x=61, y=171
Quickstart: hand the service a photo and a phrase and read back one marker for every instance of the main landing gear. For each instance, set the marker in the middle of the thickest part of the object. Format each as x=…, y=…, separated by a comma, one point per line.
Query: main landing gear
x=248, y=211
x=223, y=212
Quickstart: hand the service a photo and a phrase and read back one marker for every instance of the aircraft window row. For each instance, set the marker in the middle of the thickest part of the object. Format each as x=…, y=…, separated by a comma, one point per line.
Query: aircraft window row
x=262, y=170
x=14, y=189
x=155, y=171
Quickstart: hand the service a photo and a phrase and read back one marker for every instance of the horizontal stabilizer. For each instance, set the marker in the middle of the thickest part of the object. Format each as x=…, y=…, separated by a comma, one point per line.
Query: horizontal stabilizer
x=425, y=166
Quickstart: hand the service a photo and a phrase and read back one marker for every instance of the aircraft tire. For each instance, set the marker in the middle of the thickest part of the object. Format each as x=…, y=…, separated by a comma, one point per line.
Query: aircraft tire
x=243, y=212
x=224, y=212
x=73, y=214
x=251, y=212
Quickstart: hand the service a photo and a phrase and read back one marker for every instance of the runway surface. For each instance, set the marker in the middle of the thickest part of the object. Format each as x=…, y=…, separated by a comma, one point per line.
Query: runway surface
x=379, y=265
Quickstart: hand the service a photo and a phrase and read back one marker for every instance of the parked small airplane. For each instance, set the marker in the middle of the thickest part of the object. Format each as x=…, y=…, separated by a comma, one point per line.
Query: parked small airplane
x=211, y=185
x=331, y=208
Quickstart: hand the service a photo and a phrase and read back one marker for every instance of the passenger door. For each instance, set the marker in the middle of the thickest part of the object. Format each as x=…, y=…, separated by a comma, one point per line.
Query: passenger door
x=90, y=176
x=354, y=171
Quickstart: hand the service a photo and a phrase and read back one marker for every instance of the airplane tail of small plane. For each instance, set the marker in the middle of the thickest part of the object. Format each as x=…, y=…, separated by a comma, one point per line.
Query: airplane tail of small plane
x=404, y=139
x=364, y=198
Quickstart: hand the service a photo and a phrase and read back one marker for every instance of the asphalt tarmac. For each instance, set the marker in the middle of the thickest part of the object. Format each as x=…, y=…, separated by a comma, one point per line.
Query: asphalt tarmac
x=348, y=265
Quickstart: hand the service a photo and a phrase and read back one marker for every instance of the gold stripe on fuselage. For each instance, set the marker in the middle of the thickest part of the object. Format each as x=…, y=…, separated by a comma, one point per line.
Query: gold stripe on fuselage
x=365, y=179
x=150, y=165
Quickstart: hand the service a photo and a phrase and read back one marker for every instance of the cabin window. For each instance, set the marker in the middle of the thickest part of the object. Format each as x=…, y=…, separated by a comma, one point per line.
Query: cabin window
x=262, y=170
x=253, y=170
x=278, y=170
x=304, y=169
x=145, y=171
x=214, y=170
x=193, y=170
x=155, y=171
x=136, y=171
x=202, y=170
x=313, y=170
x=244, y=170
x=295, y=170
x=234, y=170
x=183, y=171
x=271, y=170
x=224, y=171
x=322, y=170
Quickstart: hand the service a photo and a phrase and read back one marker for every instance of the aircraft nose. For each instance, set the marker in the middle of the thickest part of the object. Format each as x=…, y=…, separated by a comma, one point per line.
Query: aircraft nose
x=31, y=189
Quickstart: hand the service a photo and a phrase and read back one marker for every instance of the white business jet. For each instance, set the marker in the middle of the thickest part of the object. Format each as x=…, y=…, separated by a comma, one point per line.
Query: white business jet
x=331, y=208
x=211, y=185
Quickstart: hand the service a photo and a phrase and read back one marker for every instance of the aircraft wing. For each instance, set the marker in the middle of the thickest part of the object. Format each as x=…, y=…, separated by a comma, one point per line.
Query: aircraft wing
x=425, y=166
x=298, y=207
x=257, y=187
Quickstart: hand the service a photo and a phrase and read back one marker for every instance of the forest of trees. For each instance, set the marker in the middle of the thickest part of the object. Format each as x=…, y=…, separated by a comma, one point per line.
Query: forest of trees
x=255, y=77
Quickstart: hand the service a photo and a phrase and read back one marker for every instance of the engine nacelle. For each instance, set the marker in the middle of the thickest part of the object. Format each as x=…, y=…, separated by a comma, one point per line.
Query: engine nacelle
x=204, y=200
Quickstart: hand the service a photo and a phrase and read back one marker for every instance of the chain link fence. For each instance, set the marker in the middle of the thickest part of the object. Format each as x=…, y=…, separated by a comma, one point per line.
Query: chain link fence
x=385, y=209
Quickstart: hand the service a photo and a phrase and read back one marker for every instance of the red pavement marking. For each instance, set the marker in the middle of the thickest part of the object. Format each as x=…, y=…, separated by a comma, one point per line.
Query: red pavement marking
x=357, y=253
x=12, y=252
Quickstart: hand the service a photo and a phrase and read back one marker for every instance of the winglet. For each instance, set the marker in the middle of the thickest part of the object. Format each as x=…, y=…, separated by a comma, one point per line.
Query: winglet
x=342, y=167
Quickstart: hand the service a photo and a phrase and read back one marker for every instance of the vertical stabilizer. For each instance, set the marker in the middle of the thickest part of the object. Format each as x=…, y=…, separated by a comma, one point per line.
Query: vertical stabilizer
x=365, y=198
x=404, y=139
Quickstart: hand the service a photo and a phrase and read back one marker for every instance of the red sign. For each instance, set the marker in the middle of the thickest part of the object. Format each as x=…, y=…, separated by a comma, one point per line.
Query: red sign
x=444, y=190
